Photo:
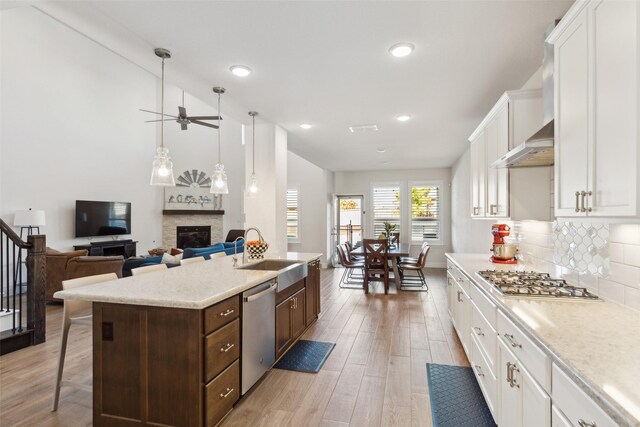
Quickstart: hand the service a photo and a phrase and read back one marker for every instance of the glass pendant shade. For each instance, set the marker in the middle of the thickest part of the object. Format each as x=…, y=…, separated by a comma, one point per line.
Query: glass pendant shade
x=162, y=172
x=253, y=185
x=219, y=180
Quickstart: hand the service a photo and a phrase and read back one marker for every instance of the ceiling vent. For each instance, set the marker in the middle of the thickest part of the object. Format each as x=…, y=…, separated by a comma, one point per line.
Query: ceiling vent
x=363, y=128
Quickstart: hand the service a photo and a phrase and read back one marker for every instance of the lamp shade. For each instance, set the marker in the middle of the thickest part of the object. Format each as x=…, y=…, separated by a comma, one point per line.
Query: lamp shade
x=28, y=218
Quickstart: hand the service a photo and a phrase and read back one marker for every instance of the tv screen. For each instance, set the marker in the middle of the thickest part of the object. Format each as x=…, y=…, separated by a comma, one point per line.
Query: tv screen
x=102, y=218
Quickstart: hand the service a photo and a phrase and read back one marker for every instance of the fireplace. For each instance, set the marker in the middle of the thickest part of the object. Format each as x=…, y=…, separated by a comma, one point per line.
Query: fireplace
x=193, y=236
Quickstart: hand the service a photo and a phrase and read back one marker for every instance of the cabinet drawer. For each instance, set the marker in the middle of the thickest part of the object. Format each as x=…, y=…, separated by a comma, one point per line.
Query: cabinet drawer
x=558, y=419
x=530, y=355
x=222, y=393
x=221, y=348
x=484, y=304
x=575, y=404
x=487, y=380
x=221, y=313
x=485, y=334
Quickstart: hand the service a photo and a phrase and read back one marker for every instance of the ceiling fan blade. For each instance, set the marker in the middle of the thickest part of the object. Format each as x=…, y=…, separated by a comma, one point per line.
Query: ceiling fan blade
x=154, y=112
x=151, y=121
x=182, y=111
x=203, y=118
x=183, y=126
x=195, y=122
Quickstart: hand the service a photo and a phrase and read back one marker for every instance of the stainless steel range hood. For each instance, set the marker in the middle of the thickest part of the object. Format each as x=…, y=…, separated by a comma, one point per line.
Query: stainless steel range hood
x=535, y=151
x=538, y=149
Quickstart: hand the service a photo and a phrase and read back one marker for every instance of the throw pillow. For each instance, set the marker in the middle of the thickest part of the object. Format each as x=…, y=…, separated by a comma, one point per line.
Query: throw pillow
x=175, y=251
x=170, y=259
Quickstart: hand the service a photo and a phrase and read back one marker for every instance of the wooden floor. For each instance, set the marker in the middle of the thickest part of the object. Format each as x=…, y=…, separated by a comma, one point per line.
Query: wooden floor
x=375, y=376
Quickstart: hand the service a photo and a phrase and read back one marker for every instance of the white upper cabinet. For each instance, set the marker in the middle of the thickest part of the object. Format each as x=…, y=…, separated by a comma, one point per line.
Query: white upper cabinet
x=509, y=193
x=596, y=109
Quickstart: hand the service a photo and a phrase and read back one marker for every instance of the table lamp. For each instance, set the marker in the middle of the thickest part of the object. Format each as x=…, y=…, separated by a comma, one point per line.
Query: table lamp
x=29, y=219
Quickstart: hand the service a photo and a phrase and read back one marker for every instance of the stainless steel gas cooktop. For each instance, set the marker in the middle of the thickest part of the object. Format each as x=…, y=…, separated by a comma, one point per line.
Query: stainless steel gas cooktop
x=533, y=284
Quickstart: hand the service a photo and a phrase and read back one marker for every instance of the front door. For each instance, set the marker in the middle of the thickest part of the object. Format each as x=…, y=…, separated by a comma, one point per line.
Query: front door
x=349, y=221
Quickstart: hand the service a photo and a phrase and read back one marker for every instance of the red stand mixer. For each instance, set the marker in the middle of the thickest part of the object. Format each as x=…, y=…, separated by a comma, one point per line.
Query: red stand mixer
x=503, y=253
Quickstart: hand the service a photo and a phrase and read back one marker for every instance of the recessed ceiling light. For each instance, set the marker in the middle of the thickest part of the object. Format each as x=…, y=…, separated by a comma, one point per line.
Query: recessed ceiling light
x=401, y=49
x=363, y=128
x=240, y=70
x=403, y=117
x=385, y=162
x=381, y=150
x=306, y=126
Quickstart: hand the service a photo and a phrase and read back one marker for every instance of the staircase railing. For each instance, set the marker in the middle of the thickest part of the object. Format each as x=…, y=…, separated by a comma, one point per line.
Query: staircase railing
x=22, y=303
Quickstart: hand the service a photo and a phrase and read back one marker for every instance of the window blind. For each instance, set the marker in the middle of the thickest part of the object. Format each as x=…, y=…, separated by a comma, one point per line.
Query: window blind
x=425, y=213
x=292, y=214
x=386, y=208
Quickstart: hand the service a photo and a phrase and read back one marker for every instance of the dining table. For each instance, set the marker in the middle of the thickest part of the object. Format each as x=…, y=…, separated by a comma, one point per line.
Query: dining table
x=394, y=253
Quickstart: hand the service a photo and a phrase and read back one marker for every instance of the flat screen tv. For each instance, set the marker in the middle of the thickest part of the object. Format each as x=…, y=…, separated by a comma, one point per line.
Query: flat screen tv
x=95, y=218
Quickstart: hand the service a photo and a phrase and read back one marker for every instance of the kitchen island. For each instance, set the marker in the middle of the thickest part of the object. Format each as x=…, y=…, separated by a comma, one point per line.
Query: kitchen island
x=542, y=360
x=167, y=344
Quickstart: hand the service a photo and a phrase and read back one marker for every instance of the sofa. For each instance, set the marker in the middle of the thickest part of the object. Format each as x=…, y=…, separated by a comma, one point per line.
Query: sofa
x=71, y=265
x=227, y=247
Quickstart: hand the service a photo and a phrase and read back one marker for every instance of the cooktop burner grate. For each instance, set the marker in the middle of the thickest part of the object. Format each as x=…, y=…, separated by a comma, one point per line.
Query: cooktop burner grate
x=533, y=284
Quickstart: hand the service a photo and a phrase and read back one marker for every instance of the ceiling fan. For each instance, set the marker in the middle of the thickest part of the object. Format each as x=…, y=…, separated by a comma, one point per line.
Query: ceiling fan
x=184, y=119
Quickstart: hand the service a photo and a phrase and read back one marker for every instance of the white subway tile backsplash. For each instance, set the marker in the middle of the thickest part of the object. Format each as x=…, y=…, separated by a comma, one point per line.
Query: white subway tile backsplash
x=625, y=274
x=631, y=255
x=632, y=297
x=616, y=252
x=625, y=233
x=611, y=290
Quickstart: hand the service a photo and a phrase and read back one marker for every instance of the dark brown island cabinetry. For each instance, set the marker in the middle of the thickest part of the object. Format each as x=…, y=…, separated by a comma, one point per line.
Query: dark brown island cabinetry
x=165, y=366
x=297, y=307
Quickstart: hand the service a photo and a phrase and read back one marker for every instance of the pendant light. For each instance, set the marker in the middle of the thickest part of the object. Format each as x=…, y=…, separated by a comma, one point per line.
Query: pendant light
x=162, y=172
x=253, y=185
x=219, y=180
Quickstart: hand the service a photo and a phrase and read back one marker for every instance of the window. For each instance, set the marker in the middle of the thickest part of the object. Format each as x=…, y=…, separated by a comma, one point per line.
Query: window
x=293, y=215
x=425, y=212
x=386, y=208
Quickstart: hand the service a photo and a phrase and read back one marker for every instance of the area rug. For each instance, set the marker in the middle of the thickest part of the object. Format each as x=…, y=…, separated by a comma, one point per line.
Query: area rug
x=456, y=398
x=306, y=356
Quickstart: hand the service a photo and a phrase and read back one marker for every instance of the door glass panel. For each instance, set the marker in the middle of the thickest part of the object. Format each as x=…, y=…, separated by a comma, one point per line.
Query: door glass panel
x=350, y=220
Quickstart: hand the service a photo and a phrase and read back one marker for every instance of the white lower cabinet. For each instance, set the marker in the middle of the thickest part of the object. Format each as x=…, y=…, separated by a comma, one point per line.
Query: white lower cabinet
x=523, y=403
x=574, y=404
x=462, y=315
x=558, y=419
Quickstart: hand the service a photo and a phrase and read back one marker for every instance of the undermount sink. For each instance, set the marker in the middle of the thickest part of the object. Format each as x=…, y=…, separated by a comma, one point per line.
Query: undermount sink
x=289, y=272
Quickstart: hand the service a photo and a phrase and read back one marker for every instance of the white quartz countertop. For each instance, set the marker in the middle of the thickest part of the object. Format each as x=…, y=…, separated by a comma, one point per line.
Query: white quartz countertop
x=597, y=343
x=193, y=286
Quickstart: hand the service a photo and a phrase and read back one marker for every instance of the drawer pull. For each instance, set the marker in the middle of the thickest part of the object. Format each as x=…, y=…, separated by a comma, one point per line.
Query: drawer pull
x=479, y=371
x=512, y=341
x=225, y=395
x=459, y=299
x=583, y=423
x=511, y=367
x=478, y=331
x=577, y=201
x=227, y=348
x=226, y=313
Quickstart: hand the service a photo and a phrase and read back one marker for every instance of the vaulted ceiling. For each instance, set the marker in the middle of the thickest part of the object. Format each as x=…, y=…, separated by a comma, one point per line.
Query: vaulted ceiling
x=327, y=63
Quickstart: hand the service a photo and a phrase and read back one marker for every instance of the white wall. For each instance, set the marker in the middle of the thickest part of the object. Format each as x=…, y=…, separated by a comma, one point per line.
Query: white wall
x=315, y=187
x=354, y=183
x=71, y=129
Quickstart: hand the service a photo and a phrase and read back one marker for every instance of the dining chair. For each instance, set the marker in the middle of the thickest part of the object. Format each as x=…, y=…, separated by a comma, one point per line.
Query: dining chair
x=395, y=237
x=376, y=266
x=70, y=312
x=347, y=281
x=193, y=260
x=414, y=282
x=349, y=248
x=216, y=255
x=148, y=269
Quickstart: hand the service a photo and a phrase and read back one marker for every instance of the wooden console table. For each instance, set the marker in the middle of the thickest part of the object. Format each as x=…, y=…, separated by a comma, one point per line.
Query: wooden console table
x=126, y=248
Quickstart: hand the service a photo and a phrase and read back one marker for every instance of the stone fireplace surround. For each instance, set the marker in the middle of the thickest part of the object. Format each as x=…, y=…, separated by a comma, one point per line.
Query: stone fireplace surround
x=171, y=221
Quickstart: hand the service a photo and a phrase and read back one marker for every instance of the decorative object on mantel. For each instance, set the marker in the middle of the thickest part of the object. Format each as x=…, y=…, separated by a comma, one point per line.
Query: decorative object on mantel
x=253, y=184
x=162, y=172
x=219, y=184
x=192, y=193
x=29, y=219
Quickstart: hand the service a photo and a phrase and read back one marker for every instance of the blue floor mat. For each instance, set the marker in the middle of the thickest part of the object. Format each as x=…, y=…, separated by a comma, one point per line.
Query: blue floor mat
x=456, y=398
x=306, y=356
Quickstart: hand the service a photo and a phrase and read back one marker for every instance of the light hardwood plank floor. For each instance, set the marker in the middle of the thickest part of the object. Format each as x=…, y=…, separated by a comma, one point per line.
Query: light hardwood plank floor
x=375, y=376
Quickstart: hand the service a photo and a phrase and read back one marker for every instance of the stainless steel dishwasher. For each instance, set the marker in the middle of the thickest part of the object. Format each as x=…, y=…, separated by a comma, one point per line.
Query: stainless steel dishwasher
x=258, y=332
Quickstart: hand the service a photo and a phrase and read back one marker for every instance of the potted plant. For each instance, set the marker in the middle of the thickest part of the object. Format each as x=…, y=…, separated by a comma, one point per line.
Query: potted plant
x=388, y=228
